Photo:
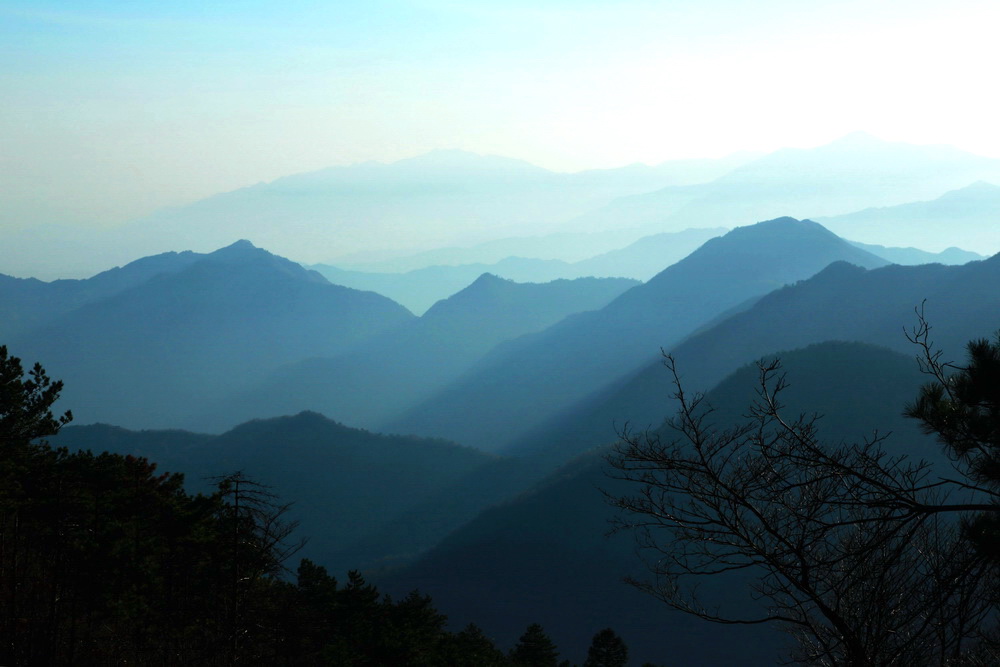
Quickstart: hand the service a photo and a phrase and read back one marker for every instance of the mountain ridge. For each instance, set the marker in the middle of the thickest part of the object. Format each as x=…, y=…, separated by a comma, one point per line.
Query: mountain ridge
x=542, y=373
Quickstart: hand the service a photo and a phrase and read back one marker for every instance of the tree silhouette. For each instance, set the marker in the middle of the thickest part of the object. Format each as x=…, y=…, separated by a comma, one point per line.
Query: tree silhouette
x=961, y=407
x=857, y=553
x=26, y=403
x=534, y=649
x=607, y=650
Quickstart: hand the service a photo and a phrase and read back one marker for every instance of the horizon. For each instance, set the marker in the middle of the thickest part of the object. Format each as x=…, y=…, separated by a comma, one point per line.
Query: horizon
x=115, y=111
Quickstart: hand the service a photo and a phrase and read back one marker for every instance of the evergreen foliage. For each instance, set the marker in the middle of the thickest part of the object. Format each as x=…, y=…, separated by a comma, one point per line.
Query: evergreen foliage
x=961, y=407
x=607, y=650
x=534, y=649
x=105, y=560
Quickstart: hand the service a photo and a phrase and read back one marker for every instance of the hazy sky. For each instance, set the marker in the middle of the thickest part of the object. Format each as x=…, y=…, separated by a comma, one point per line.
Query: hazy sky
x=113, y=109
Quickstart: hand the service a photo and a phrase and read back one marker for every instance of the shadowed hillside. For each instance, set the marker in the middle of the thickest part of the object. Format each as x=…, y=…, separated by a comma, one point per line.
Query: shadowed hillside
x=388, y=373
x=843, y=302
x=547, y=550
x=532, y=378
x=169, y=345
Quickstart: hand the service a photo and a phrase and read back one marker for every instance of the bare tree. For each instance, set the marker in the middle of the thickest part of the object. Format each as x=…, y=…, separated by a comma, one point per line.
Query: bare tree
x=260, y=543
x=858, y=554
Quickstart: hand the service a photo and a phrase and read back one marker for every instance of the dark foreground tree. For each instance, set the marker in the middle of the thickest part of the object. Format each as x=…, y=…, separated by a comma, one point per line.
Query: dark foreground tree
x=26, y=403
x=534, y=649
x=607, y=650
x=961, y=407
x=106, y=561
x=858, y=554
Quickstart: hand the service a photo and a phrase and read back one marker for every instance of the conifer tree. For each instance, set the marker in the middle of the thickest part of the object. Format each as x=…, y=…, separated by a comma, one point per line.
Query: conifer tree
x=961, y=407
x=535, y=649
x=472, y=648
x=607, y=650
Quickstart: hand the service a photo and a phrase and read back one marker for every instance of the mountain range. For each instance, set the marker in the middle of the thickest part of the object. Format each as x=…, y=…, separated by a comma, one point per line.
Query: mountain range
x=419, y=289
x=345, y=484
x=450, y=207
x=843, y=302
x=391, y=371
x=483, y=480
x=522, y=382
x=148, y=354
x=853, y=173
x=966, y=217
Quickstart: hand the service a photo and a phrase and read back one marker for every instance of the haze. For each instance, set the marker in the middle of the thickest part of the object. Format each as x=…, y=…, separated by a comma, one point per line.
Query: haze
x=114, y=110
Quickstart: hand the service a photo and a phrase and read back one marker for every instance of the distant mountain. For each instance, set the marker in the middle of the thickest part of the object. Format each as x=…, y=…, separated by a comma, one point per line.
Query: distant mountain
x=913, y=256
x=843, y=302
x=855, y=172
x=564, y=246
x=389, y=373
x=646, y=257
x=345, y=484
x=546, y=552
x=419, y=289
x=525, y=381
x=167, y=346
x=968, y=217
x=433, y=200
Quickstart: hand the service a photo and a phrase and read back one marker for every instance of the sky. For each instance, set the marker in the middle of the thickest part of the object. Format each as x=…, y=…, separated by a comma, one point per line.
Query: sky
x=114, y=109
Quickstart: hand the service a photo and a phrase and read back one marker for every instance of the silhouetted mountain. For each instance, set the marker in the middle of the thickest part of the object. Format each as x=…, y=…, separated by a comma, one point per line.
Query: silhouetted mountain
x=913, y=256
x=965, y=217
x=843, y=302
x=26, y=303
x=525, y=381
x=546, y=551
x=855, y=172
x=345, y=483
x=389, y=373
x=419, y=289
x=167, y=346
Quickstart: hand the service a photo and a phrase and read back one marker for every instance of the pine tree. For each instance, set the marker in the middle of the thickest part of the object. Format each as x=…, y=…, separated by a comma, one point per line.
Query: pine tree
x=607, y=650
x=535, y=649
x=472, y=648
x=961, y=407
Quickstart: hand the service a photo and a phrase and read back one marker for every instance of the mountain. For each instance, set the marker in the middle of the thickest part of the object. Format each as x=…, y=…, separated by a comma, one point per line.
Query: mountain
x=965, y=217
x=843, y=302
x=344, y=484
x=388, y=373
x=433, y=200
x=26, y=303
x=646, y=257
x=169, y=345
x=524, y=381
x=419, y=289
x=912, y=256
x=564, y=246
x=853, y=173
x=547, y=552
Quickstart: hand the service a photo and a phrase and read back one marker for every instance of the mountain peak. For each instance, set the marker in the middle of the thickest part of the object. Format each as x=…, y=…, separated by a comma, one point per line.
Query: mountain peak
x=239, y=246
x=241, y=249
x=489, y=279
x=783, y=225
x=802, y=247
